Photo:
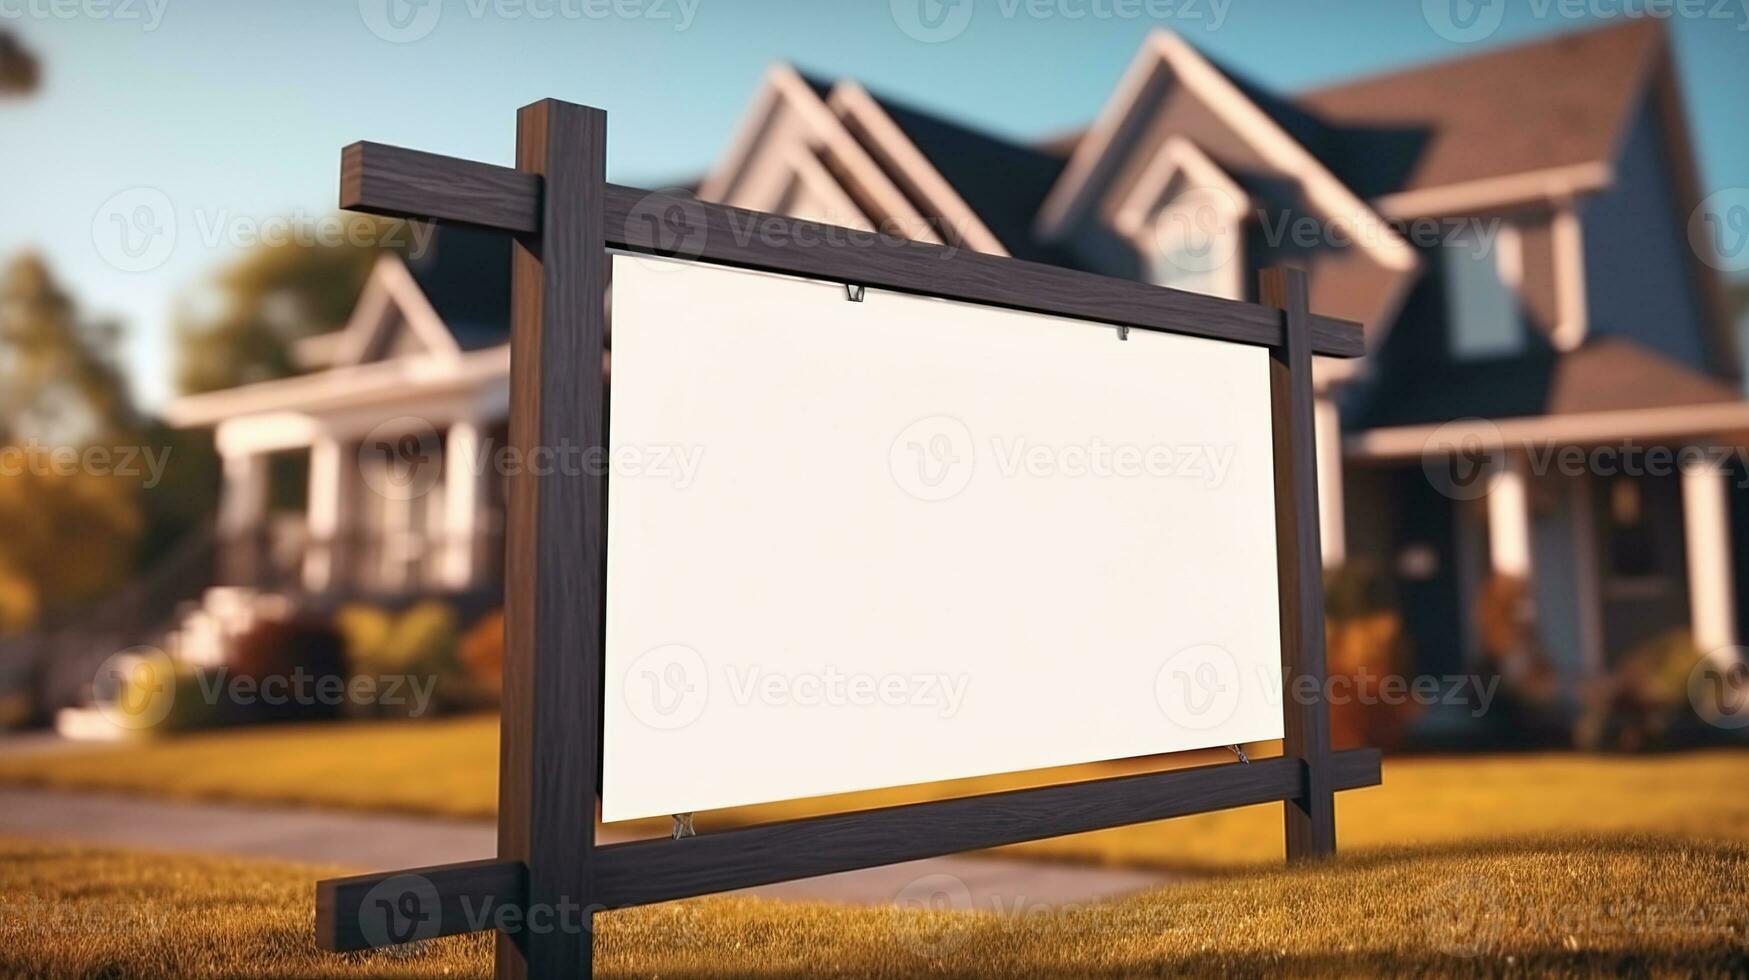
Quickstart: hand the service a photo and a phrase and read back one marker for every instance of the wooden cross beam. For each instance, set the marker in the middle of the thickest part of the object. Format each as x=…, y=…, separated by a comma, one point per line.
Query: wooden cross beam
x=564, y=216
x=400, y=183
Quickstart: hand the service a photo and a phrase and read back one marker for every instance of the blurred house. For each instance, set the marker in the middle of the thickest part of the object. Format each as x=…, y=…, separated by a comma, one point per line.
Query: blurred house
x=1510, y=228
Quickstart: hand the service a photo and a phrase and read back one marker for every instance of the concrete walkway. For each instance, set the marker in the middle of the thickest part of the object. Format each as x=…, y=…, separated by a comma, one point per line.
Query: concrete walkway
x=381, y=842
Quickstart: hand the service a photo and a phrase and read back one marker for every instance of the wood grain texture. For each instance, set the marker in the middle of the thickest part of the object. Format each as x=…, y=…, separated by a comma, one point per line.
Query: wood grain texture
x=392, y=181
x=660, y=870
x=666, y=224
x=554, y=589
x=463, y=891
x=1311, y=815
x=642, y=872
x=396, y=182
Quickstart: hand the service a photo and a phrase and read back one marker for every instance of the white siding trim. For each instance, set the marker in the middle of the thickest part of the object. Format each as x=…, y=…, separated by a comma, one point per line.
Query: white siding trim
x=1509, y=520
x=1569, y=264
x=1706, y=522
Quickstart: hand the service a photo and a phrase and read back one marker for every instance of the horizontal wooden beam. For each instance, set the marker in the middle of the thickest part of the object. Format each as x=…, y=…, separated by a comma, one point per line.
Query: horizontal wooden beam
x=642, y=872
x=399, y=183
x=665, y=224
x=407, y=183
x=423, y=903
x=660, y=870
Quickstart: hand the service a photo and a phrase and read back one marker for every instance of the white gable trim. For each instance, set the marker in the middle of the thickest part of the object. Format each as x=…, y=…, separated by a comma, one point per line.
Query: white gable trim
x=805, y=168
x=852, y=101
x=1553, y=184
x=376, y=386
x=1177, y=155
x=784, y=88
x=389, y=289
x=1190, y=68
x=1144, y=213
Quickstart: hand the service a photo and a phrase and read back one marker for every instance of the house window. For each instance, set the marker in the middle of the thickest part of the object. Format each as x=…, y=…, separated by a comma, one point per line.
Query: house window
x=1197, y=244
x=1632, y=551
x=1482, y=273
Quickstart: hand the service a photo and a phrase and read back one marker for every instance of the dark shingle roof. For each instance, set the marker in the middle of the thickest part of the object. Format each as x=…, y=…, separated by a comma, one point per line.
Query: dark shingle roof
x=1528, y=107
x=1003, y=182
x=466, y=275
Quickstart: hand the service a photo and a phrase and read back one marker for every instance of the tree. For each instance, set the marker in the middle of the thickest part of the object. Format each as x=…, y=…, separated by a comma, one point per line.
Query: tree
x=18, y=68
x=58, y=381
x=69, y=508
x=263, y=304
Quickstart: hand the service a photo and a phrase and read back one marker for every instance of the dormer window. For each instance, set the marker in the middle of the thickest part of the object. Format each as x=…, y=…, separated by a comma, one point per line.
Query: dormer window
x=1185, y=217
x=1482, y=277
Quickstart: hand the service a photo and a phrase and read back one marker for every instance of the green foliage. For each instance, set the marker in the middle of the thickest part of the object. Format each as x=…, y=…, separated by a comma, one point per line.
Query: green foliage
x=422, y=642
x=260, y=306
x=71, y=528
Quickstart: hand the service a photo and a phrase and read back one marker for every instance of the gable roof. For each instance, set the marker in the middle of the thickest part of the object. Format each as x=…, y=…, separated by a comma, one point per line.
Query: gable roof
x=1544, y=107
x=1003, y=182
x=465, y=275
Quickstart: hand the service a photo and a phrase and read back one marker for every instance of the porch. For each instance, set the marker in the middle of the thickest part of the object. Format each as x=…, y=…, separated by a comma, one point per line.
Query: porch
x=1621, y=526
x=372, y=480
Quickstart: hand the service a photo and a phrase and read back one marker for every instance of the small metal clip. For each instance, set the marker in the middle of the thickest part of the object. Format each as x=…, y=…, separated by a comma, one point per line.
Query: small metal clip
x=1238, y=751
x=1123, y=332
x=683, y=826
x=853, y=292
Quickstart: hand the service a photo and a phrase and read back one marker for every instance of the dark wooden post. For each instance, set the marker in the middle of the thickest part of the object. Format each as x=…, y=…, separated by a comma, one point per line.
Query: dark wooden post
x=550, y=754
x=1311, y=816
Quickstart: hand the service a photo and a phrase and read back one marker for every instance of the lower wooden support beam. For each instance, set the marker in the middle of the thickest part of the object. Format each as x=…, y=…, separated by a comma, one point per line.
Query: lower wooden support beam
x=395, y=907
x=375, y=909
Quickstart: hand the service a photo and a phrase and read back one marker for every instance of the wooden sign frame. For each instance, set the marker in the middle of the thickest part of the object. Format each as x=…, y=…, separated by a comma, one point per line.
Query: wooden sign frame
x=550, y=874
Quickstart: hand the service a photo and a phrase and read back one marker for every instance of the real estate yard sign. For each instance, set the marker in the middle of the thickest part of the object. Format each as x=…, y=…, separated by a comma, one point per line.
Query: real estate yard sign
x=953, y=514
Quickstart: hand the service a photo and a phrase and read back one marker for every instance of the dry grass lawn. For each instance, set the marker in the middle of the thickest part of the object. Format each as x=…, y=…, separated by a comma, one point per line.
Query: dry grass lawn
x=449, y=767
x=1571, y=907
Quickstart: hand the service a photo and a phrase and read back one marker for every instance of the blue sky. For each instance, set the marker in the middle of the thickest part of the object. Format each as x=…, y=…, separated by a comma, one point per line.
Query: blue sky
x=235, y=111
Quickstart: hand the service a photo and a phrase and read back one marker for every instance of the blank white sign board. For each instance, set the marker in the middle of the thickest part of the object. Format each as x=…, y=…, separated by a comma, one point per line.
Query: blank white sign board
x=865, y=544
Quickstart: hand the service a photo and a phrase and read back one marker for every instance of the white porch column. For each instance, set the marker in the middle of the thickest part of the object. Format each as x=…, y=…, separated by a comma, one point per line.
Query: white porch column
x=1327, y=425
x=464, y=494
x=243, y=499
x=1509, y=519
x=242, y=521
x=1706, y=522
x=333, y=470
